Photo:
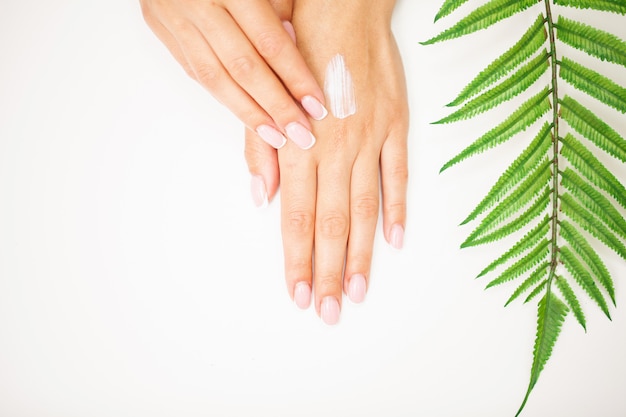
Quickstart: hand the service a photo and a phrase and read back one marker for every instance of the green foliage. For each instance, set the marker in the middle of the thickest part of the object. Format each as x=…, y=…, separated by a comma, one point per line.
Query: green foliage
x=557, y=194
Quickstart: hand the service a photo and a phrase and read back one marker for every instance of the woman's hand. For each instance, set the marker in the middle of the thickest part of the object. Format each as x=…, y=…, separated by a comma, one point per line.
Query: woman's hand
x=330, y=195
x=246, y=57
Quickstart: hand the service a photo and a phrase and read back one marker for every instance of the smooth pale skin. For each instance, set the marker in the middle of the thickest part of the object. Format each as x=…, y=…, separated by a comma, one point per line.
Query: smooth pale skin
x=330, y=194
x=242, y=53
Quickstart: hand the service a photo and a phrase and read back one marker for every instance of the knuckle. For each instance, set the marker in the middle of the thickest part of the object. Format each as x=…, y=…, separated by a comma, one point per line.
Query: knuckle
x=328, y=283
x=299, y=222
x=399, y=171
x=206, y=74
x=398, y=207
x=270, y=44
x=241, y=67
x=333, y=225
x=366, y=207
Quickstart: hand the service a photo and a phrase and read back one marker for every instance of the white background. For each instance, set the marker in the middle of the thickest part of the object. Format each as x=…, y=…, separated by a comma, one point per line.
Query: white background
x=137, y=278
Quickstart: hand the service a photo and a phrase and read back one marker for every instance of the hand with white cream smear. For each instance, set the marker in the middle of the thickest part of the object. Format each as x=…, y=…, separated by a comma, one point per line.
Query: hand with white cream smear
x=330, y=194
x=243, y=53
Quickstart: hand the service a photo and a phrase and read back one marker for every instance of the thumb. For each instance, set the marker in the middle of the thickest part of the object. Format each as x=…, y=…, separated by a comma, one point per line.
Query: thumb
x=262, y=162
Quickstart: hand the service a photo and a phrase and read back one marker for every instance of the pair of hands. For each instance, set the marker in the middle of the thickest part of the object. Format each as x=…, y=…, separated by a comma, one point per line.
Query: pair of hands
x=244, y=53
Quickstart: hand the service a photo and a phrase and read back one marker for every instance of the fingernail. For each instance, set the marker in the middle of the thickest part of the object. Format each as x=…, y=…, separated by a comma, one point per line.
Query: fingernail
x=396, y=236
x=258, y=191
x=300, y=135
x=302, y=295
x=271, y=136
x=290, y=30
x=330, y=310
x=356, y=288
x=315, y=109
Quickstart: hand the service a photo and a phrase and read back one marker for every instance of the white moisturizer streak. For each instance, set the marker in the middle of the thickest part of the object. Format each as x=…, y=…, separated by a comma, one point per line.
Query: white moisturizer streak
x=339, y=89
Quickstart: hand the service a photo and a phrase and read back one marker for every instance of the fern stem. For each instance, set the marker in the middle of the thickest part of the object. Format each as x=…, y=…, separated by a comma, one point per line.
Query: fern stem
x=555, y=150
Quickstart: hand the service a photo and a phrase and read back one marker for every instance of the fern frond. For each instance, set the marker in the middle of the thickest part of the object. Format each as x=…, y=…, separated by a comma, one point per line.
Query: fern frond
x=571, y=300
x=588, y=165
x=522, y=220
x=580, y=245
x=528, y=241
x=591, y=224
x=594, y=84
x=521, y=196
x=527, y=114
x=534, y=278
x=595, y=202
x=511, y=87
x=525, y=163
x=448, y=7
x=550, y=316
x=583, y=278
x=534, y=38
x=532, y=259
x=598, y=43
x=590, y=126
x=536, y=291
x=482, y=18
x=615, y=6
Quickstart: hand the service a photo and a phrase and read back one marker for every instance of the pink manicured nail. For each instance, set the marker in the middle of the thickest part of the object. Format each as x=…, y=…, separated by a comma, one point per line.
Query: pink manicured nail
x=271, y=136
x=290, y=30
x=330, y=310
x=302, y=295
x=396, y=236
x=258, y=191
x=356, y=288
x=315, y=109
x=300, y=135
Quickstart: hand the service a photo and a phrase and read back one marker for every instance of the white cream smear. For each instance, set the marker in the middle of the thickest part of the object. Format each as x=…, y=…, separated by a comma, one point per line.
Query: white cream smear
x=339, y=89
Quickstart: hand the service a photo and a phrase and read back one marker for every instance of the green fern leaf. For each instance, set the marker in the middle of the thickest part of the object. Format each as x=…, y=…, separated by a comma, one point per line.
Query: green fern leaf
x=535, y=257
x=482, y=18
x=534, y=38
x=595, y=202
x=583, y=278
x=513, y=86
x=591, y=224
x=615, y=6
x=522, y=220
x=594, y=129
x=571, y=300
x=525, y=163
x=521, y=196
x=528, y=241
x=580, y=245
x=598, y=43
x=550, y=317
x=534, y=278
x=592, y=168
x=448, y=7
x=536, y=291
x=527, y=114
x=594, y=84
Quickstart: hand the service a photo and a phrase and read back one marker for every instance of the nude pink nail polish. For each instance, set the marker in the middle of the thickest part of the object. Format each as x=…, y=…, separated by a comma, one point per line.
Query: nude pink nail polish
x=330, y=310
x=396, y=236
x=302, y=295
x=258, y=191
x=300, y=135
x=357, y=288
x=290, y=30
x=313, y=106
x=271, y=136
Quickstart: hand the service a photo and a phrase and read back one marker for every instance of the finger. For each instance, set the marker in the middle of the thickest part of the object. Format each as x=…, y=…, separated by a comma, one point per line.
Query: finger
x=332, y=225
x=364, y=203
x=262, y=163
x=168, y=40
x=263, y=28
x=251, y=73
x=394, y=178
x=282, y=8
x=210, y=73
x=298, y=184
